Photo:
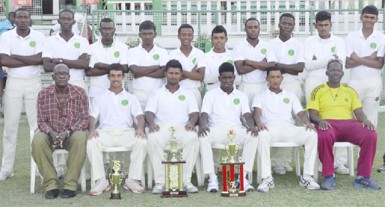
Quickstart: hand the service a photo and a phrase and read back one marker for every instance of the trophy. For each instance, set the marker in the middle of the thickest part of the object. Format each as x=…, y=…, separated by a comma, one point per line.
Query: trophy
x=116, y=178
x=173, y=170
x=228, y=163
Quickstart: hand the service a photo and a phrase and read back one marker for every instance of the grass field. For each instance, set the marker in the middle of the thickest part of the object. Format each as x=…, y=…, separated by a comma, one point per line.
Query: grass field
x=15, y=191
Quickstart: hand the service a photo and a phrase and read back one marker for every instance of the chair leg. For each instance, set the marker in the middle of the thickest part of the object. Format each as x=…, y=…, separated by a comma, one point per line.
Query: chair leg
x=297, y=161
x=83, y=178
x=150, y=175
x=33, y=176
x=351, y=160
x=199, y=171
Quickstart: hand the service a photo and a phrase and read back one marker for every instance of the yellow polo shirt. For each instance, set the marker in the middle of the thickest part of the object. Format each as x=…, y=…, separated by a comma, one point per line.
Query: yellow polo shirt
x=334, y=103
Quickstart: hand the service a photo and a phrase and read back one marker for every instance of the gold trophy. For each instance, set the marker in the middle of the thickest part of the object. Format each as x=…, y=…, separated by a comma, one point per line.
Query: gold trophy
x=173, y=170
x=116, y=178
x=229, y=185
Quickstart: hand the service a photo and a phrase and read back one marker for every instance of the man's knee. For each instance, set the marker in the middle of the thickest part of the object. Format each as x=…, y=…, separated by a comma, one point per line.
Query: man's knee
x=40, y=139
x=79, y=137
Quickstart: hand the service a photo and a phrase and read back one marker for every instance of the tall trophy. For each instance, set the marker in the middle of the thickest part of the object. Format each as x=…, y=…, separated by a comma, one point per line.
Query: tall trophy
x=173, y=170
x=229, y=185
x=116, y=178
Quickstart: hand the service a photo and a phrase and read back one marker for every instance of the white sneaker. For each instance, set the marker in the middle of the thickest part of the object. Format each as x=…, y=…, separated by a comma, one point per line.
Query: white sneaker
x=288, y=167
x=279, y=169
x=158, y=188
x=133, y=185
x=266, y=184
x=190, y=188
x=309, y=182
x=4, y=175
x=248, y=187
x=213, y=186
x=341, y=169
x=100, y=187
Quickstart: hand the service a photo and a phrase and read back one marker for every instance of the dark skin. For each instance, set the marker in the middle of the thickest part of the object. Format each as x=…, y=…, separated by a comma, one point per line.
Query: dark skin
x=173, y=76
x=227, y=85
x=107, y=31
x=66, y=20
x=335, y=73
x=275, y=79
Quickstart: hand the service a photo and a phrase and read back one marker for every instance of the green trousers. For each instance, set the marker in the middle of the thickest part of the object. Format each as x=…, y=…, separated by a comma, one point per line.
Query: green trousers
x=42, y=154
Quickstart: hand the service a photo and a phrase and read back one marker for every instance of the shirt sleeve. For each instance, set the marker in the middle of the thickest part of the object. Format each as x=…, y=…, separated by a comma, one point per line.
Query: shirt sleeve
x=136, y=109
x=356, y=103
x=152, y=103
x=313, y=102
x=5, y=44
x=124, y=55
x=42, y=114
x=297, y=107
x=192, y=103
x=206, y=104
x=39, y=43
x=270, y=55
x=300, y=56
x=133, y=58
x=257, y=103
x=95, y=108
x=349, y=45
x=237, y=55
x=245, y=104
x=47, y=48
x=164, y=58
x=83, y=121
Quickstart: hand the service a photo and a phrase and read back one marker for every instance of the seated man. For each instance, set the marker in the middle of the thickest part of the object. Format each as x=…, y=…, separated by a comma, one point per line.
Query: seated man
x=62, y=120
x=273, y=111
x=331, y=107
x=116, y=110
x=172, y=106
x=222, y=110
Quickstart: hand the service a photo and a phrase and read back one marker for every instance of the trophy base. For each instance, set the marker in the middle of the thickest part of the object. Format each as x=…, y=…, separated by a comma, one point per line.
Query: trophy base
x=235, y=194
x=115, y=196
x=172, y=194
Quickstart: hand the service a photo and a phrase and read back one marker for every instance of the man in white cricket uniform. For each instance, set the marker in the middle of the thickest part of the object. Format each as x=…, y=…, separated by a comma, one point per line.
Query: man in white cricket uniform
x=20, y=52
x=146, y=62
x=273, y=111
x=222, y=111
x=116, y=110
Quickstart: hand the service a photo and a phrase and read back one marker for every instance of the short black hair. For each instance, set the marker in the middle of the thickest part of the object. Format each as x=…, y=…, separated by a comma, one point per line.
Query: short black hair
x=11, y=14
x=20, y=9
x=106, y=20
x=185, y=26
x=322, y=16
x=370, y=9
x=67, y=10
x=251, y=19
x=116, y=67
x=286, y=15
x=219, y=29
x=173, y=64
x=338, y=61
x=272, y=69
x=147, y=25
x=226, y=67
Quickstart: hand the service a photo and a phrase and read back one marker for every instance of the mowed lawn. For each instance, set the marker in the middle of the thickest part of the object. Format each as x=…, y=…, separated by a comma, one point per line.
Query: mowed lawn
x=15, y=191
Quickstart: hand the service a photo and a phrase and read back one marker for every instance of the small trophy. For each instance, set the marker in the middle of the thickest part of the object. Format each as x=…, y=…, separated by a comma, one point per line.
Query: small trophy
x=229, y=161
x=116, y=178
x=173, y=170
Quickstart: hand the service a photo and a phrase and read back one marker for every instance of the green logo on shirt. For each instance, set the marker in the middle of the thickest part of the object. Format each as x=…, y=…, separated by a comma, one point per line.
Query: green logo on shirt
x=124, y=102
x=155, y=57
x=263, y=51
x=373, y=45
x=236, y=101
x=290, y=52
x=116, y=54
x=77, y=45
x=230, y=61
x=194, y=61
x=32, y=44
x=182, y=97
x=286, y=100
x=333, y=49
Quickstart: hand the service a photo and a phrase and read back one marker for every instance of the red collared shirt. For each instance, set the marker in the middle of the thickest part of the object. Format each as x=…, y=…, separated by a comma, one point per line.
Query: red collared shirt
x=73, y=116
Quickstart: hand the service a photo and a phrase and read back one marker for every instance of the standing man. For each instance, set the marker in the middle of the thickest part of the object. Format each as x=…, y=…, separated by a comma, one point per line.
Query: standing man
x=222, y=110
x=172, y=106
x=273, y=111
x=365, y=58
x=290, y=60
x=7, y=24
x=146, y=63
x=63, y=120
x=104, y=52
x=251, y=56
x=20, y=52
x=189, y=57
x=116, y=110
x=67, y=48
x=331, y=108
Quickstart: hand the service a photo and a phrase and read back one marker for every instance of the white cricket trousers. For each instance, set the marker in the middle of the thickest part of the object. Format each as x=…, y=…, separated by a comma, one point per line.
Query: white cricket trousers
x=157, y=142
x=17, y=92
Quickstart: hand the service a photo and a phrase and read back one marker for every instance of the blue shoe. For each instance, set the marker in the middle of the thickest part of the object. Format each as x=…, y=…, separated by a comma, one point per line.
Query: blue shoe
x=367, y=183
x=329, y=183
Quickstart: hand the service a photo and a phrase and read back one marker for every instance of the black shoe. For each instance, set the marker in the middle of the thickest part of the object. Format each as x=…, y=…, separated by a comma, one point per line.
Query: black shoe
x=51, y=194
x=68, y=193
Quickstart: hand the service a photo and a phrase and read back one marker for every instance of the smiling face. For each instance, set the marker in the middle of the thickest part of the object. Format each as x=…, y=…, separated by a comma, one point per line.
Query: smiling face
x=116, y=78
x=368, y=20
x=219, y=41
x=186, y=36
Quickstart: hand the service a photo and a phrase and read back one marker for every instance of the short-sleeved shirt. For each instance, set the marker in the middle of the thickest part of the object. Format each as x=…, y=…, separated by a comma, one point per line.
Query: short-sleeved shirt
x=356, y=42
x=172, y=107
x=224, y=108
x=289, y=52
x=188, y=63
x=244, y=50
x=116, y=53
x=5, y=25
x=13, y=44
x=56, y=47
x=140, y=57
x=277, y=107
x=115, y=111
x=334, y=103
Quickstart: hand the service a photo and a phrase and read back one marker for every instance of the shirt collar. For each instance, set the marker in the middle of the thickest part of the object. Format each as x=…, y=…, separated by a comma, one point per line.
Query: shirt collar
x=71, y=91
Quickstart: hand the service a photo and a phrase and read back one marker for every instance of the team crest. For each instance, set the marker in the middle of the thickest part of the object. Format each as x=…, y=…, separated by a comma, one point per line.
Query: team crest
x=291, y=52
x=32, y=44
x=236, y=101
x=155, y=57
x=116, y=54
x=77, y=45
x=286, y=100
x=333, y=49
x=182, y=97
x=263, y=51
x=194, y=61
x=230, y=61
x=373, y=45
x=124, y=102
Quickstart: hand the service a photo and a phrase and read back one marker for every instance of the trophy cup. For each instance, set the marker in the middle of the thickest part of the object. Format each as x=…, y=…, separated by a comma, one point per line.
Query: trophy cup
x=228, y=163
x=116, y=178
x=173, y=170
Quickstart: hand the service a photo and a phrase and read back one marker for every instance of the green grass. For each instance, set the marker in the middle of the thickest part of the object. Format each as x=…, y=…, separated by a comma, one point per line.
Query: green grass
x=15, y=191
